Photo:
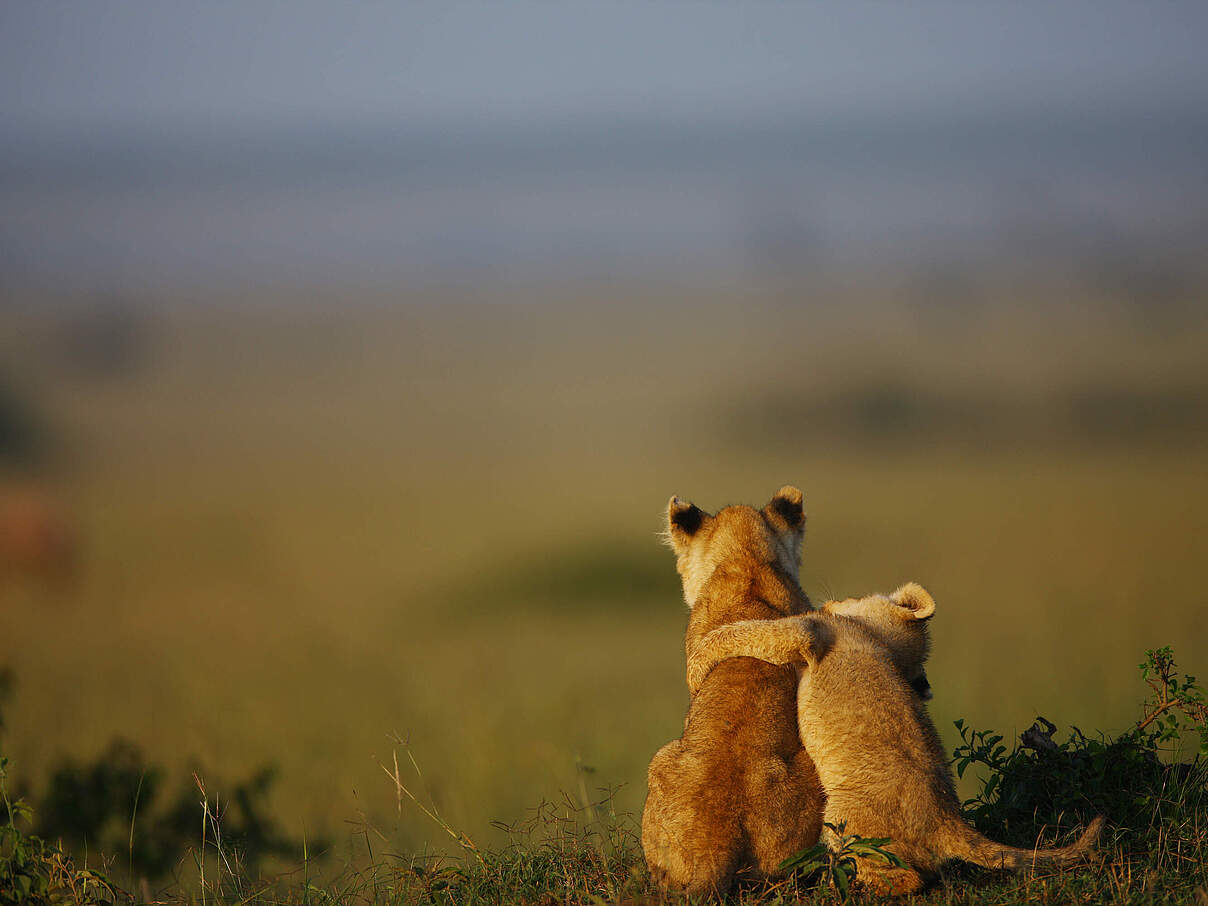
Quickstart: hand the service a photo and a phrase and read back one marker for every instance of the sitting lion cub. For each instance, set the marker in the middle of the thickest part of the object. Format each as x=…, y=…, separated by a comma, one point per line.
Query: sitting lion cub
x=876, y=750
x=737, y=791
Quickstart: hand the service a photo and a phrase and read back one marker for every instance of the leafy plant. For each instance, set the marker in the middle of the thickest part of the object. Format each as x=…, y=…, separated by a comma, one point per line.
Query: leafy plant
x=36, y=873
x=1176, y=700
x=1044, y=784
x=838, y=861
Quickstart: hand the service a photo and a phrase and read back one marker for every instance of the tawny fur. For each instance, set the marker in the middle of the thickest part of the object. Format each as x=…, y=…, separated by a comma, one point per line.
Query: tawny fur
x=737, y=792
x=876, y=750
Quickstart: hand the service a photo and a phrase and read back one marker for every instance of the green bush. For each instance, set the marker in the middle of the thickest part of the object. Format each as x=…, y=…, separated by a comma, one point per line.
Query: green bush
x=1043, y=784
x=36, y=873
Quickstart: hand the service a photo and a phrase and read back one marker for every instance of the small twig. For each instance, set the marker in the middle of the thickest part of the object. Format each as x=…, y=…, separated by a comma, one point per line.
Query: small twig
x=1156, y=713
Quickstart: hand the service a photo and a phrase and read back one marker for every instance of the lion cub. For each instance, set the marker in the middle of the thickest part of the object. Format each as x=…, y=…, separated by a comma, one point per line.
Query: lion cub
x=876, y=750
x=737, y=791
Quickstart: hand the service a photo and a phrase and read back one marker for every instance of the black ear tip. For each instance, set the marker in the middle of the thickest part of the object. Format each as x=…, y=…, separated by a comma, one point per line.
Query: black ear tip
x=687, y=517
x=787, y=504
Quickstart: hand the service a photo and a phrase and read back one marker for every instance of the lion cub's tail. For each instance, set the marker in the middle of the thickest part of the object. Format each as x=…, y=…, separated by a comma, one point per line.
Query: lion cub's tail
x=969, y=845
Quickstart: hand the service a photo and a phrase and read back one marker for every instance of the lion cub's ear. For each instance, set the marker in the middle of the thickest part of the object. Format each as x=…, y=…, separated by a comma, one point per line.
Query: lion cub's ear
x=684, y=517
x=786, y=507
x=915, y=599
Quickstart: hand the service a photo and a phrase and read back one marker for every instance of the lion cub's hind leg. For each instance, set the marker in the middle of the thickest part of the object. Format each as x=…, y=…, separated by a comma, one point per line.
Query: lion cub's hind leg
x=690, y=834
x=789, y=811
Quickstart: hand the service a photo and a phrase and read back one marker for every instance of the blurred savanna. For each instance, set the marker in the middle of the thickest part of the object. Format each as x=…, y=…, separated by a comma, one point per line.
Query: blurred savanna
x=303, y=533
x=340, y=405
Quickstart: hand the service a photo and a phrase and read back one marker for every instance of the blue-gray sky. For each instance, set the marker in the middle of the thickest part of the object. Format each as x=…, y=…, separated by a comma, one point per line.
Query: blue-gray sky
x=215, y=141
x=149, y=63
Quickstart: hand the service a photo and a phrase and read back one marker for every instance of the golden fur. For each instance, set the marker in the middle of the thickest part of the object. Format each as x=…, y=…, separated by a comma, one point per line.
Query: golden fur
x=737, y=792
x=876, y=750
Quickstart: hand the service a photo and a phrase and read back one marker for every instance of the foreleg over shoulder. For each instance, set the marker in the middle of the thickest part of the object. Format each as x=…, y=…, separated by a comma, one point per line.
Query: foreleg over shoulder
x=783, y=641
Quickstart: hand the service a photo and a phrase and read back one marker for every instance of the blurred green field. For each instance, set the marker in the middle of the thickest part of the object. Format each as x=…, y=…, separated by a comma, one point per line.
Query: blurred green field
x=308, y=525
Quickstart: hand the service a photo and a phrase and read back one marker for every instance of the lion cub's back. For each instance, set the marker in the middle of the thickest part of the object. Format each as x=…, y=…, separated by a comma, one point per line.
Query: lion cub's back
x=747, y=727
x=740, y=723
x=742, y=706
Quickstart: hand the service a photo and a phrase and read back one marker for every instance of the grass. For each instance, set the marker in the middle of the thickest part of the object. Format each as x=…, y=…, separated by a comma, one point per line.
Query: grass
x=308, y=531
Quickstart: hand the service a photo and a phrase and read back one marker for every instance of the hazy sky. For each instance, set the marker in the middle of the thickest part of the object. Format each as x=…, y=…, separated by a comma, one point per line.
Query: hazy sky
x=153, y=64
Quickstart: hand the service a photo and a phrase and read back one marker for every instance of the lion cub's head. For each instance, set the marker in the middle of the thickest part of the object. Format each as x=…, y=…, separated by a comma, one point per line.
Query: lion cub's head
x=702, y=543
x=899, y=622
